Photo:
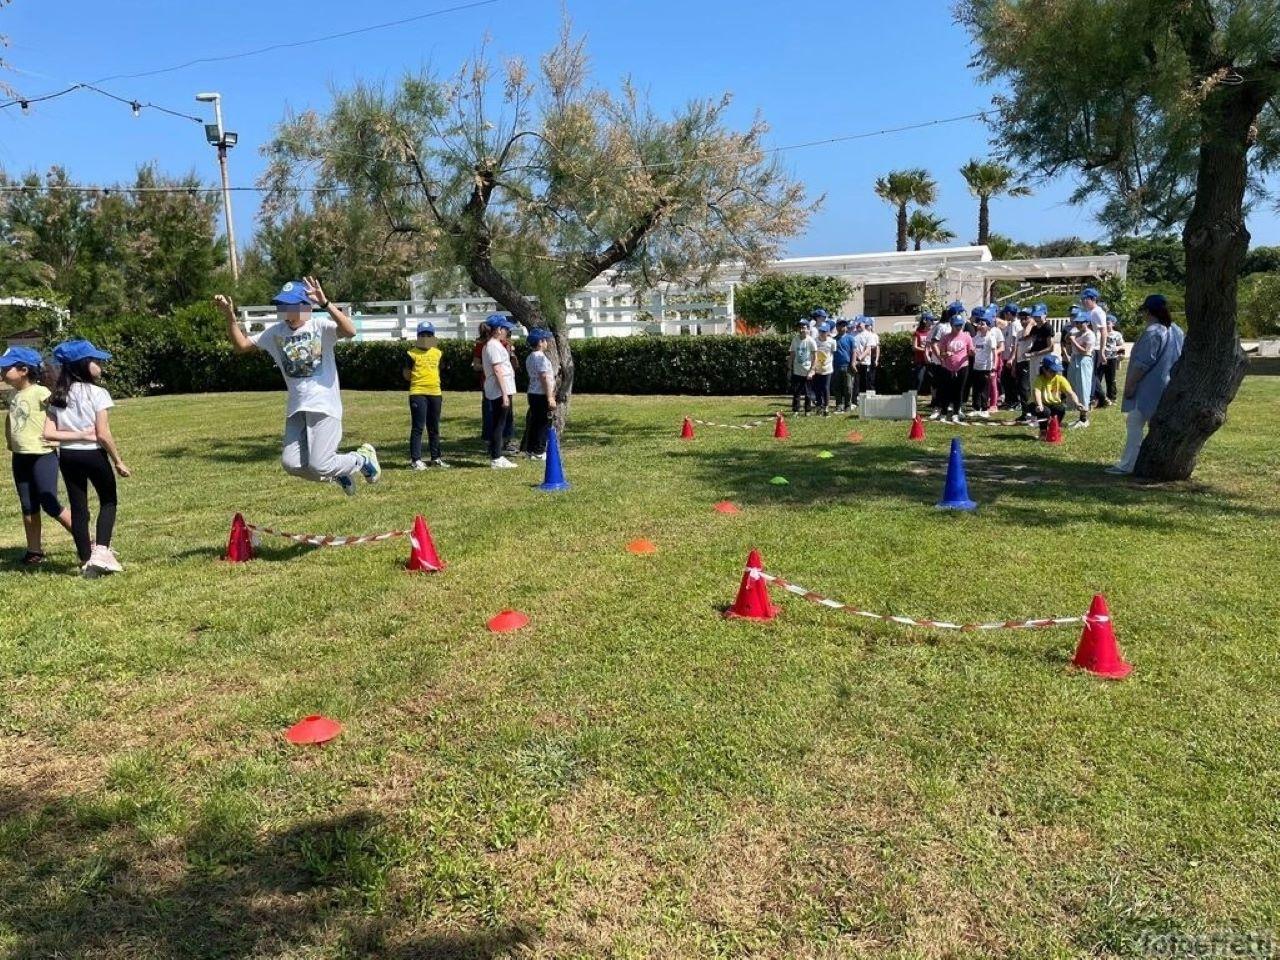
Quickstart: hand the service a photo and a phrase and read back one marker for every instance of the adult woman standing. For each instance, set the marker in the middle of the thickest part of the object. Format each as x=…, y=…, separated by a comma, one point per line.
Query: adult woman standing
x=1150, y=364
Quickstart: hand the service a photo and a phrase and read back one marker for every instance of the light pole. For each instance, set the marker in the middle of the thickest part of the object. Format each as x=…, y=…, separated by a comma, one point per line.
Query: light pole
x=220, y=138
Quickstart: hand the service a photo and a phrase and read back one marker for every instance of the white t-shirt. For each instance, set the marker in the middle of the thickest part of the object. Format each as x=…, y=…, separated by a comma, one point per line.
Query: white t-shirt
x=1011, y=333
x=1088, y=340
x=499, y=376
x=985, y=348
x=537, y=365
x=305, y=358
x=824, y=356
x=863, y=343
x=84, y=402
x=803, y=348
x=1098, y=317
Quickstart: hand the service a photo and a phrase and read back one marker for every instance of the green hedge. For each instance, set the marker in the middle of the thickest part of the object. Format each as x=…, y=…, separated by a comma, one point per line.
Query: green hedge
x=187, y=355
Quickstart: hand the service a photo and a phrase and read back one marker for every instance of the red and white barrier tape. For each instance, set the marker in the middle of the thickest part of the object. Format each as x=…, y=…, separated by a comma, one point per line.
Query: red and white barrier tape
x=320, y=540
x=733, y=426
x=822, y=601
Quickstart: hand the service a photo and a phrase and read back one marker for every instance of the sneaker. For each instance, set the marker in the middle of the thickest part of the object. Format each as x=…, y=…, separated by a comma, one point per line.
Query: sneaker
x=955, y=418
x=372, y=470
x=540, y=457
x=1117, y=471
x=348, y=485
x=438, y=464
x=417, y=465
x=502, y=463
x=511, y=447
x=981, y=414
x=1079, y=424
x=826, y=413
x=102, y=561
x=936, y=415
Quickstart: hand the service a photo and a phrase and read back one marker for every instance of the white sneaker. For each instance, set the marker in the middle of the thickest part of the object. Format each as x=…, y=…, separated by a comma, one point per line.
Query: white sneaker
x=981, y=415
x=371, y=470
x=102, y=560
x=502, y=463
x=936, y=415
x=1079, y=425
x=541, y=457
x=417, y=465
x=438, y=464
x=955, y=418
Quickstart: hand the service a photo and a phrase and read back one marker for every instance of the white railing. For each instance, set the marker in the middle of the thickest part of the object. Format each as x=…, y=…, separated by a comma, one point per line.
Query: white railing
x=589, y=314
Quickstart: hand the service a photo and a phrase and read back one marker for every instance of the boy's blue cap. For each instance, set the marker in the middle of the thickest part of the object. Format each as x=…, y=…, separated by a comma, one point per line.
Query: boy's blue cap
x=426, y=329
x=1040, y=310
x=957, y=319
x=818, y=314
x=1074, y=312
x=1010, y=309
x=497, y=320
x=977, y=312
x=293, y=293
x=1155, y=301
x=1051, y=363
x=824, y=327
x=955, y=306
x=537, y=335
x=1111, y=319
x=928, y=315
x=1089, y=293
x=20, y=355
x=72, y=351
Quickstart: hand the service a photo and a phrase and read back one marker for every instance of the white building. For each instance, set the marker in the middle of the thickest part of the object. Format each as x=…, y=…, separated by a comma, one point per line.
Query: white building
x=888, y=286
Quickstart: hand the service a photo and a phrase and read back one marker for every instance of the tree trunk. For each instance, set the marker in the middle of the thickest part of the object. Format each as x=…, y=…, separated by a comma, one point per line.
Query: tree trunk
x=1205, y=380
x=918, y=242
x=902, y=227
x=984, y=220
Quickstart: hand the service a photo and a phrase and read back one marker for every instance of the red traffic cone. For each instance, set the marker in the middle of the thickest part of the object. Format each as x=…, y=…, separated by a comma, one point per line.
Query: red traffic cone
x=727, y=506
x=780, y=431
x=752, y=602
x=313, y=729
x=507, y=621
x=917, y=428
x=642, y=547
x=686, y=431
x=1053, y=432
x=240, y=543
x=1098, y=652
x=423, y=557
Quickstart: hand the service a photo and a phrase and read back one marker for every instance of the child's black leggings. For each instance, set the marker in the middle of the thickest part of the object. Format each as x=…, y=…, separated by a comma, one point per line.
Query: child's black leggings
x=80, y=468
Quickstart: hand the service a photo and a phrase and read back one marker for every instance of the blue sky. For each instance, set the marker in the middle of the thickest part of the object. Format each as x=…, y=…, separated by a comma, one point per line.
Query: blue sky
x=814, y=68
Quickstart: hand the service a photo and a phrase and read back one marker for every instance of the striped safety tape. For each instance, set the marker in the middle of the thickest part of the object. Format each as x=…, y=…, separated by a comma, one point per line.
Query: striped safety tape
x=733, y=426
x=320, y=540
x=822, y=601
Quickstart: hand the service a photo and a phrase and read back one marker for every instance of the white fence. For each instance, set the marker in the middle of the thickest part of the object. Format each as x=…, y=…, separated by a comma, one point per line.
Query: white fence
x=602, y=314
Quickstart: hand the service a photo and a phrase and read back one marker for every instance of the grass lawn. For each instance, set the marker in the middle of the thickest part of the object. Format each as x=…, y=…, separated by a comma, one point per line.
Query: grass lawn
x=631, y=775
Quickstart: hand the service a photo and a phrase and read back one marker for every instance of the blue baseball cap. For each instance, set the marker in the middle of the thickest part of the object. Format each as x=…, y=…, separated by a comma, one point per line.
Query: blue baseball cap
x=498, y=321
x=1089, y=293
x=1010, y=309
x=1074, y=311
x=426, y=329
x=977, y=312
x=20, y=355
x=957, y=320
x=72, y=351
x=1040, y=310
x=842, y=322
x=537, y=335
x=1155, y=301
x=824, y=327
x=928, y=317
x=1111, y=319
x=1051, y=363
x=292, y=294
x=955, y=306
x=818, y=314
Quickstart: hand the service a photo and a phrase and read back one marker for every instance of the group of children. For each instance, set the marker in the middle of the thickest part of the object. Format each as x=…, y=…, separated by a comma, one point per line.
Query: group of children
x=822, y=352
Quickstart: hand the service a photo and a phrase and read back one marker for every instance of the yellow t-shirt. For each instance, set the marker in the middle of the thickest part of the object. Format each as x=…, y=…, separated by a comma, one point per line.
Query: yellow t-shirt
x=26, y=420
x=425, y=378
x=1052, y=388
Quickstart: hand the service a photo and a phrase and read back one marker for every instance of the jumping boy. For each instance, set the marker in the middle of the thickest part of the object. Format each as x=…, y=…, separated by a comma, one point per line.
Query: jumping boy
x=302, y=344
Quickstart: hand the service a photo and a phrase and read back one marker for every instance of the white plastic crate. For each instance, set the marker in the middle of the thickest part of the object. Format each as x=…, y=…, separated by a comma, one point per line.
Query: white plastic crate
x=875, y=406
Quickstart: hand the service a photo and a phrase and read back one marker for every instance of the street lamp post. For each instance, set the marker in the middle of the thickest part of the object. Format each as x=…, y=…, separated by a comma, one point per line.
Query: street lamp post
x=220, y=138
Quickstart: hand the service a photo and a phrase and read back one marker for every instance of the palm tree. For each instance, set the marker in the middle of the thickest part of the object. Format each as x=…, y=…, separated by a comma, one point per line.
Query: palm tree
x=926, y=228
x=988, y=179
x=901, y=187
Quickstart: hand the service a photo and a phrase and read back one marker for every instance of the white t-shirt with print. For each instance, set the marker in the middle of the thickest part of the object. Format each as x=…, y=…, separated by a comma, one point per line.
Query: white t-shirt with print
x=985, y=348
x=863, y=343
x=538, y=365
x=499, y=375
x=84, y=402
x=305, y=358
x=824, y=356
x=802, y=348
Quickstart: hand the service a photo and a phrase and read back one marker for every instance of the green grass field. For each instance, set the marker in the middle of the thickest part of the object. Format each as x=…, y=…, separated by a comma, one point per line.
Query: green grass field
x=631, y=775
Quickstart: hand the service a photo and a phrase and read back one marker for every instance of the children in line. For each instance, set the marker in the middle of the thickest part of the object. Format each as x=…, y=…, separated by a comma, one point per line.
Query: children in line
x=499, y=389
x=1084, y=343
x=824, y=354
x=845, y=379
x=301, y=344
x=800, y=363
x=35, y=460
x=425, y=397
x=76, y=418
x=954, y=351
x=542, y=393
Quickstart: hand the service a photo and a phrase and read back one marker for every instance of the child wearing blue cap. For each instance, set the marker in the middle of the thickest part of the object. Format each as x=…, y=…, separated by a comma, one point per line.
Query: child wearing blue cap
x=35, y=462
x=824, y=356
x=1049, y=390
x=77, y=419
x=542, y=393
x=499, y=388
x=425, y=397
x=800, y=363
x=301, y=344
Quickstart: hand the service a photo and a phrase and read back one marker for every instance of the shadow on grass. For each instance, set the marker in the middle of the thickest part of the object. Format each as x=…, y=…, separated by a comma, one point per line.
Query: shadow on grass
x=1064, y=488
x=79, y=883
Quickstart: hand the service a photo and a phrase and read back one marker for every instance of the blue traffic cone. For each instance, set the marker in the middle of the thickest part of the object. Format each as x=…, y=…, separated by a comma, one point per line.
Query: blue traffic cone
x=554, y=479
x=955, y=496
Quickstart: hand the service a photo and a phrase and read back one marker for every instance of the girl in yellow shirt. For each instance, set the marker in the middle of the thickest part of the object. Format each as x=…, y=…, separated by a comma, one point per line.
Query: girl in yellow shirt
x=1048, y=391
x=35, y=462
x=422, y=370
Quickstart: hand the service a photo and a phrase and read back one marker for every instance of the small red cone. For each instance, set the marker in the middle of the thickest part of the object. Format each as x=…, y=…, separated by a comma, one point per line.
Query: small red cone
x=686, y=431
x=423, y=557
x=313, y=729
x=917, y=429
x=1053, y=432
x=725, y=506
x=642, y=547
x=752, y=602
x=854, y=437
x=1098, y=652
x=507, y=621
x=780, y=431
x=240, y=543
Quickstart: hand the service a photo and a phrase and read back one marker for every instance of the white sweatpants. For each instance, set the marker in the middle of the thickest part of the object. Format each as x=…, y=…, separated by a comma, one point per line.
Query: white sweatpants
x=311, y=448
x=1135, y=423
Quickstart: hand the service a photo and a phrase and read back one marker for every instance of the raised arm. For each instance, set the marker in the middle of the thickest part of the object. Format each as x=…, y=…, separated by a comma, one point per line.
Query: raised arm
x=239, y=341
x=346, y=329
